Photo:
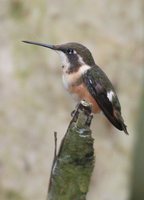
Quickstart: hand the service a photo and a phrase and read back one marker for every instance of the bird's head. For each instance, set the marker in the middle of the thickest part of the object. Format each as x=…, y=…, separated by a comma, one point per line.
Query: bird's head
x=73, y=55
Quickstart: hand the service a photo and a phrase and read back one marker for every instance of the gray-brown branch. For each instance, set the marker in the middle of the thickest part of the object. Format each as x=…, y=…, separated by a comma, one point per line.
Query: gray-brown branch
x=73, y=166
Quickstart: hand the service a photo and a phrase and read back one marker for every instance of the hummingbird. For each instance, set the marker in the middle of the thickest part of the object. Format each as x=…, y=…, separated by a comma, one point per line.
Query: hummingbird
x=85, y=80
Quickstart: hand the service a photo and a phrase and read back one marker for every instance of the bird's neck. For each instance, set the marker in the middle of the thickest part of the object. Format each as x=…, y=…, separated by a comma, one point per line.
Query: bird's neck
x=80, y=69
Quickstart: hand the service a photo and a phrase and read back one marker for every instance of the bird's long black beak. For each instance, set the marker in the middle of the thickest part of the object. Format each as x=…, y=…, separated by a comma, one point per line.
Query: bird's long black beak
x=54, y=47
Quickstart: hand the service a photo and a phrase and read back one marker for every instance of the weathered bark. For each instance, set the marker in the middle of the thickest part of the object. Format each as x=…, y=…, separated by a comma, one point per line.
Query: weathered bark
x=73, y=166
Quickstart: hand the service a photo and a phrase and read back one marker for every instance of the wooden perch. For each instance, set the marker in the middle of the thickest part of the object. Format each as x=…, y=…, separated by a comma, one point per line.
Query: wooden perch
x=73, y=166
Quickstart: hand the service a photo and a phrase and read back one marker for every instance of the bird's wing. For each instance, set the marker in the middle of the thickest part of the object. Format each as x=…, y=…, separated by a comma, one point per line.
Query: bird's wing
x=102, y=91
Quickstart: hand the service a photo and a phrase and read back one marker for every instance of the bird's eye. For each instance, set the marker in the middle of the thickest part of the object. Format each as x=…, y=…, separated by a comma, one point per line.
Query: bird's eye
x=70, y=51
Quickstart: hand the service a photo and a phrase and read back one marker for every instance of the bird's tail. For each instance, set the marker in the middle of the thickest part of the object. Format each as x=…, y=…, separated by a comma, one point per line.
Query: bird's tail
x=124, y=127
x=121, y=121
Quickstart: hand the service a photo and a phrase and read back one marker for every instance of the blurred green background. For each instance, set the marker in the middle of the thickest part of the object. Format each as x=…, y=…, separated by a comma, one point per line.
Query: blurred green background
x=33, y=103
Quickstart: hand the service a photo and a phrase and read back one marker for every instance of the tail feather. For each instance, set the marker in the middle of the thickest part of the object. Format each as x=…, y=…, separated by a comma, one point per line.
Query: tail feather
x=125, y=128
x=120, y=120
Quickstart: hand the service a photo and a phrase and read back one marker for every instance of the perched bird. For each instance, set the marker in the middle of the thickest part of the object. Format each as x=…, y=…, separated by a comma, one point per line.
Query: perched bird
x=85, y=80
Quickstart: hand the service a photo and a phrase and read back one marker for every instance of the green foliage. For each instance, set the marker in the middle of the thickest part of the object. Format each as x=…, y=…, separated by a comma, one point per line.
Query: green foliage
x=10, y=195
x=17, y=9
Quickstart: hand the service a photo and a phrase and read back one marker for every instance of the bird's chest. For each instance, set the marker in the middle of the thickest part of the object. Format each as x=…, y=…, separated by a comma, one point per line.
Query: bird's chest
x=74, y=85
x=71, y=80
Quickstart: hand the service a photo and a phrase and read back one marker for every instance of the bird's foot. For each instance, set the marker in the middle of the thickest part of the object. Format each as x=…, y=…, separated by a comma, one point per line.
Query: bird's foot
x=87, y=110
